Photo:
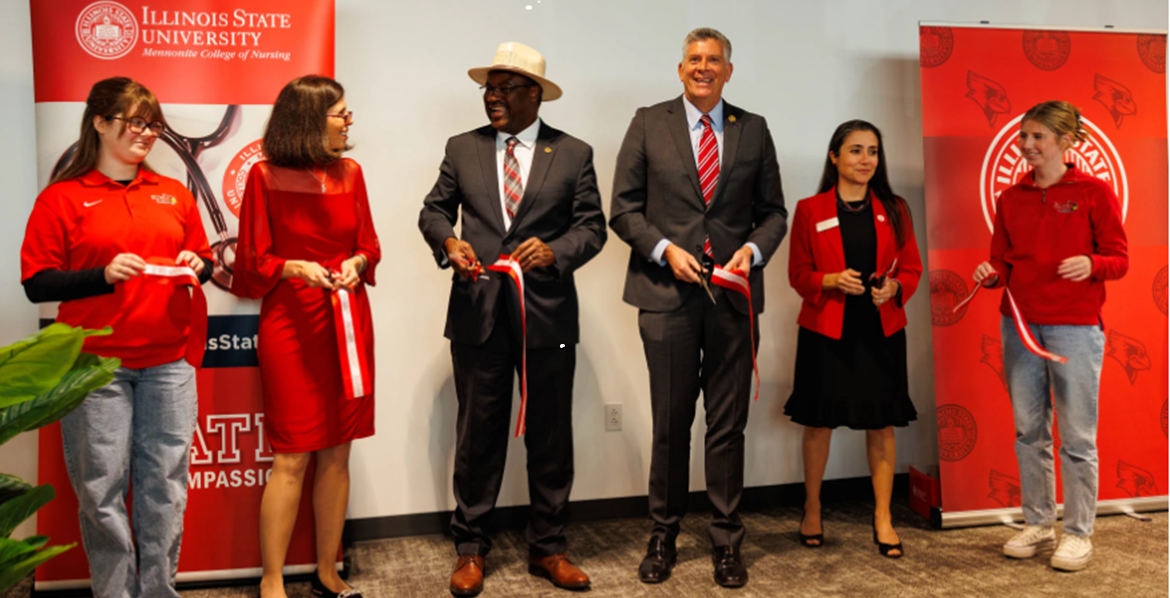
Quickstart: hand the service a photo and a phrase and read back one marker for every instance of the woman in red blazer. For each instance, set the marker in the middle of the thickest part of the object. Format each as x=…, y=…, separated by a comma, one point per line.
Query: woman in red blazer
x=854, y=261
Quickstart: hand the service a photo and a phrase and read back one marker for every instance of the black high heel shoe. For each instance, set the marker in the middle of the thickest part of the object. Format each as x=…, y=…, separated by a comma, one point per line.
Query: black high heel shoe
x=806, y=540
x=319, y=589
x=885, y=549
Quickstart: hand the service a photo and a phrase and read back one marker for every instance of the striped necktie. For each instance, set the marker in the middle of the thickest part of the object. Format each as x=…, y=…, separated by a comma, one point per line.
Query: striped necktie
x=708, y=170
x=513, y=184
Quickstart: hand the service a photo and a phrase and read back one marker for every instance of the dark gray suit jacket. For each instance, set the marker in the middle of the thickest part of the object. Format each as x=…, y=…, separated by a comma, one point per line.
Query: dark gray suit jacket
x=656, y=195
x=561, y=206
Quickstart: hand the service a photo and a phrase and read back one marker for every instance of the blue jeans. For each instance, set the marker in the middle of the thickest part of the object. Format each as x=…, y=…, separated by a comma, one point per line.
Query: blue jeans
x=1034, y=384
x=139, y=426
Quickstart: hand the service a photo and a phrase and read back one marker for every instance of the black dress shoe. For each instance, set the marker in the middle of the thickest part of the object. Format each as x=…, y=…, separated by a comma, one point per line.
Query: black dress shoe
x=729, y=569
x=656, y=565
x=319, y=589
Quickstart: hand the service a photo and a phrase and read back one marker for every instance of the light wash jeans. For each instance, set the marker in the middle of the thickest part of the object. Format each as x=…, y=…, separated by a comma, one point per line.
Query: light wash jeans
x=139, y=426
x=1034, y=383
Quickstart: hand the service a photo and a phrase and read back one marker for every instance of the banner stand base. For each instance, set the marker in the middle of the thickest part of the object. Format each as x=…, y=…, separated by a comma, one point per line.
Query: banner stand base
x=940, y=519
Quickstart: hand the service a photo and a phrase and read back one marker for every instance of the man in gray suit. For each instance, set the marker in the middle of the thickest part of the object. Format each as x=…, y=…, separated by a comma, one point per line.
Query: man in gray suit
x=697, y=179
x=528, y=190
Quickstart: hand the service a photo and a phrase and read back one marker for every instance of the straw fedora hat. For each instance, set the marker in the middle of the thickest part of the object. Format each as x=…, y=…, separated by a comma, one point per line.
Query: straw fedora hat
x=518, y=58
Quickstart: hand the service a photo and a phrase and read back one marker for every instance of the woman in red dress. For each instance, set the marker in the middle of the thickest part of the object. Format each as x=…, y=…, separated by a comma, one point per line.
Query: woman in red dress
x=307, y=247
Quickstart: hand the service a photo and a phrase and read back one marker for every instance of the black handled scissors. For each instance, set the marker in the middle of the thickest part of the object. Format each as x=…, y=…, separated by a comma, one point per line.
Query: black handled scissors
x=708, y=264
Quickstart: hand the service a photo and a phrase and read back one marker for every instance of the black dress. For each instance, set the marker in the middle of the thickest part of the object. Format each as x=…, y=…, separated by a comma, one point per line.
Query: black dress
x=859, y=381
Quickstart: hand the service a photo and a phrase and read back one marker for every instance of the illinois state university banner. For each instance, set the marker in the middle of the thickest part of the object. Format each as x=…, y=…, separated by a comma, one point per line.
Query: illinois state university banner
x=977, y=82
x=216, y=67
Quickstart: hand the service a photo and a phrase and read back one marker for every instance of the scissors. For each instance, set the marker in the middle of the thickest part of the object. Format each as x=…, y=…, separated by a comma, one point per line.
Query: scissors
x=708, y=264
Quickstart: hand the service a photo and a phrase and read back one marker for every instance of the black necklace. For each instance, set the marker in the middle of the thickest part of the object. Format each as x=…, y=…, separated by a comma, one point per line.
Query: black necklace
x=863, y=204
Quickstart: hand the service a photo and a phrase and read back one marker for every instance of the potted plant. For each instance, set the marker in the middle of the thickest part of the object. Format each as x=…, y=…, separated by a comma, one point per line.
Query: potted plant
x=42, y=378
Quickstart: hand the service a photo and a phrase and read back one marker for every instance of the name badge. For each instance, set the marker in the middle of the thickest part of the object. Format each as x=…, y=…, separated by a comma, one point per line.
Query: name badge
x=825, y=225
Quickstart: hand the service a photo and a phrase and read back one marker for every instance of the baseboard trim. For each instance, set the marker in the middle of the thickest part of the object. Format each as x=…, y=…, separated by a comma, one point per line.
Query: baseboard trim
x=514, y=518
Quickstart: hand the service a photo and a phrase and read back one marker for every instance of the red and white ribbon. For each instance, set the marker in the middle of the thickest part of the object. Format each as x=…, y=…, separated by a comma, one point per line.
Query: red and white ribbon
x=180, y=276
x=737, y=281
x=356, y=374
x=512, y=268
x=1022, y=328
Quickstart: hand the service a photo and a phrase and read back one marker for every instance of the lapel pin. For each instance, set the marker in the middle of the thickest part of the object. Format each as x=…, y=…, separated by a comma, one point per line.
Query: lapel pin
x=547, y=150
x=731, y=118
x=881, y=218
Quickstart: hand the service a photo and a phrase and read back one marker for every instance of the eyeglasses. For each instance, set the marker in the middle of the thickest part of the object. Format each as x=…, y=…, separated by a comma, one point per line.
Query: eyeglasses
x=139, y=125
x=347, y=116
x=503, y=89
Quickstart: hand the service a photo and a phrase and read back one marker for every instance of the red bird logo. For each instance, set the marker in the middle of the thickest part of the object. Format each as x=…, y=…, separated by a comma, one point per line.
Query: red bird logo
x=1135, y=481
x=1115, y=97
x=1005, y=489
x=1129, y=352
x=991, y=96
x=993, y=357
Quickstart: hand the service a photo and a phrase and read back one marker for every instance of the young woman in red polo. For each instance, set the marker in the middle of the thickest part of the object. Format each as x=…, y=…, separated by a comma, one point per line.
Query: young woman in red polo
x=307, y=248
x=854, y=260
x=92, y=233
x=1058, y=237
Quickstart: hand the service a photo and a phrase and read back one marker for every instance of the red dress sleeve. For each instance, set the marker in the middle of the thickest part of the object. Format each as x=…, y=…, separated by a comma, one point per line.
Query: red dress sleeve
x=367, y=239
x=909, y=260
x=257, y=270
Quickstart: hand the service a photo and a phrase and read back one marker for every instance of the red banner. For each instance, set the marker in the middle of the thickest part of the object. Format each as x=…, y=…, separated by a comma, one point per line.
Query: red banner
x=216, y=66
x=976, y=84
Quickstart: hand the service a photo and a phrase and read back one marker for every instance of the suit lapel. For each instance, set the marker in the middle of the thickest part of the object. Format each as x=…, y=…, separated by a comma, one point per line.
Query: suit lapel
x=731, y=132
x=543, y=153
x=828, y=211
x=682, y=142
x=881, y=224
x=487, y=163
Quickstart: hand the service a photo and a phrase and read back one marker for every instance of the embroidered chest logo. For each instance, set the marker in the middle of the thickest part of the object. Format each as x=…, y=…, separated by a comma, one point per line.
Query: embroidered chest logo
x=164, y=199
x=1067, y=207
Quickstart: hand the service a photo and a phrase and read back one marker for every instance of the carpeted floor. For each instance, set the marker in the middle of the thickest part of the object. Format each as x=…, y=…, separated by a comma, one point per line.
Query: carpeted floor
x=1129, y=561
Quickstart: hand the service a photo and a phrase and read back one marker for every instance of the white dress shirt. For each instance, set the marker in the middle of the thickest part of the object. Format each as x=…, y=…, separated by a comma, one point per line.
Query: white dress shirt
x=524, y=150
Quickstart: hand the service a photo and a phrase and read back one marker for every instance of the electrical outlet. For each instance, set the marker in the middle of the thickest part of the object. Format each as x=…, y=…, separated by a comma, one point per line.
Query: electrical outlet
x=613, y=417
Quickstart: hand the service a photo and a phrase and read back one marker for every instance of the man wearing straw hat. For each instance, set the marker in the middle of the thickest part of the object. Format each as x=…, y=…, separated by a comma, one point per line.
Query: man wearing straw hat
x=527, y=191
x=697, y=185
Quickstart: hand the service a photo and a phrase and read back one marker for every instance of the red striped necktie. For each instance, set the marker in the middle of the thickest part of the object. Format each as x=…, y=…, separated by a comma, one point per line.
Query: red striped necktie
x=708, y=169
x=513, y=184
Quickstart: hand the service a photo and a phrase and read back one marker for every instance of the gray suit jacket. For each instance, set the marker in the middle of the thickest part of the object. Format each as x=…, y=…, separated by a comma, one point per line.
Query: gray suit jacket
x=561, y=206
x=656, y=195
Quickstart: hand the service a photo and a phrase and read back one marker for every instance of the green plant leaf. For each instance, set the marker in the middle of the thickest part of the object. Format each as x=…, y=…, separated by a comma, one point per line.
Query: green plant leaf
x=13, y=550
x=61, y=399
x=15, y=511
x=12, y=486
x=12, y=573
x=36, y=541
x=31, y=367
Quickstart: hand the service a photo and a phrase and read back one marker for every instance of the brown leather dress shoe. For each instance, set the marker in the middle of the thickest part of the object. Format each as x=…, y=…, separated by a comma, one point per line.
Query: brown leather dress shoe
x=557, y=567
x=467, y=580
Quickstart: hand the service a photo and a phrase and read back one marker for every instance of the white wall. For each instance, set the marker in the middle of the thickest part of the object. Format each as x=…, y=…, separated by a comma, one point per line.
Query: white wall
x=806, y=66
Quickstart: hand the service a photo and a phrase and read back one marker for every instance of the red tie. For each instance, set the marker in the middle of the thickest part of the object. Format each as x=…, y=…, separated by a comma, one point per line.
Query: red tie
x=513, y=186
x=708, y=169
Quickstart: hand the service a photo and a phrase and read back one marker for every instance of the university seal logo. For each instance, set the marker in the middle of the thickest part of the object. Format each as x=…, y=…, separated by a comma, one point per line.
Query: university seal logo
x=934, y=45
x=1005, y=489
x=235, y=179
x=1129, y=352
x=957, y=432
x=1152, y=48
x=1115, y=97
x=1160, y=280
x=947, y=290
x=1047, y=50
x=1135, y=481
x=1165, y=419
x=1004, y=165
x=106, y=30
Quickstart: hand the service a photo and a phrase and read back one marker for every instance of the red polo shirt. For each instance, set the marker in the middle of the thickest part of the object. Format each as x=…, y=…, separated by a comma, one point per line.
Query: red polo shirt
x=83, y=223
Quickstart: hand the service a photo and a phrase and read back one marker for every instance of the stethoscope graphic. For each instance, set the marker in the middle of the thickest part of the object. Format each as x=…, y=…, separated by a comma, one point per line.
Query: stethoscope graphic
x=188, y=150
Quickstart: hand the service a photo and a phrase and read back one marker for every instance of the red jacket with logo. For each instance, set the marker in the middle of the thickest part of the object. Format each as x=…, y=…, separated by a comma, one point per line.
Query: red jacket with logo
x=1036, y=229
x=815, y=249
x=83, y=223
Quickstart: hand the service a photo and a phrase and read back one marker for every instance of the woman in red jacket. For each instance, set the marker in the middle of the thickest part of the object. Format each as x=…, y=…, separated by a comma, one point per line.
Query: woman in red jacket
x=1058, y=238
x=854, y=261
x=308, y=248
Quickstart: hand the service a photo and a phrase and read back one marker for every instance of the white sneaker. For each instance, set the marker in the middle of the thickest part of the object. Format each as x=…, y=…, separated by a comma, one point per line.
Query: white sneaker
x=1073, y=553
x=1025, y=543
